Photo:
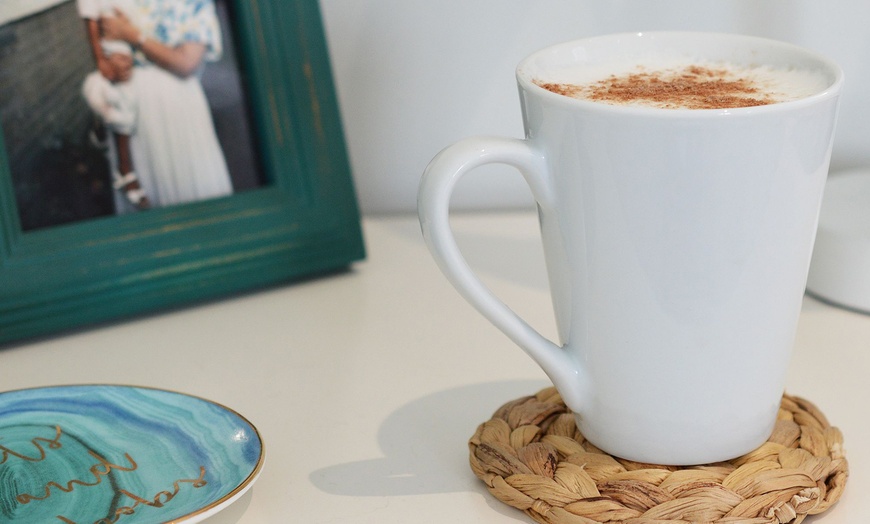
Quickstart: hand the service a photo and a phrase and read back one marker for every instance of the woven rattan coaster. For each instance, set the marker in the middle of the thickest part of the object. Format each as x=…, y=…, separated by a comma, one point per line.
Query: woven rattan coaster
x=531, y=457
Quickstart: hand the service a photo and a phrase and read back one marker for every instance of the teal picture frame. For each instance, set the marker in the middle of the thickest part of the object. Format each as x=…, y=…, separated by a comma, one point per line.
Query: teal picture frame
x=303, y=221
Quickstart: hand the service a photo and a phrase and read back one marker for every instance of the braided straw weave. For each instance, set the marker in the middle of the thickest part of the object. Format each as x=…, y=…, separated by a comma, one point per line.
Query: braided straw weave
x=531, y=456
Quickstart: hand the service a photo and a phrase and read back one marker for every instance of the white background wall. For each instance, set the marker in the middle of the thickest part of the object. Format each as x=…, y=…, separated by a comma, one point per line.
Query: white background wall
x=415, y=75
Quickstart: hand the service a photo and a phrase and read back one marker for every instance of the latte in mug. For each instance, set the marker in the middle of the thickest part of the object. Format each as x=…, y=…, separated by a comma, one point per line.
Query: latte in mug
x=676, y=240
x=688, y=85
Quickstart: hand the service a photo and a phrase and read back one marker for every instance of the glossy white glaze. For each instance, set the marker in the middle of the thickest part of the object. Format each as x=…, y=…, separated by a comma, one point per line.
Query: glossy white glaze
x=840, y=268
x=677, y=244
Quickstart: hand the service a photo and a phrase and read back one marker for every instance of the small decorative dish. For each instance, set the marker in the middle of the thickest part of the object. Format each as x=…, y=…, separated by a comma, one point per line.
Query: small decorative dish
x=100, y=454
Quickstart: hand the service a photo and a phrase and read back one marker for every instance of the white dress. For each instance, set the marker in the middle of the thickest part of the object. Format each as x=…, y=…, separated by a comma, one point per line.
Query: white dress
x=175, y=150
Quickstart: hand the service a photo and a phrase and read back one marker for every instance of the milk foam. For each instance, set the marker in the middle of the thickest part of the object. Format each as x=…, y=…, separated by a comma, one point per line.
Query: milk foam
x=772, y=83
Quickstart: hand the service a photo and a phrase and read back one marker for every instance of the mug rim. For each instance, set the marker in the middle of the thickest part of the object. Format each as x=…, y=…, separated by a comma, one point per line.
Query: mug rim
x=526, y=83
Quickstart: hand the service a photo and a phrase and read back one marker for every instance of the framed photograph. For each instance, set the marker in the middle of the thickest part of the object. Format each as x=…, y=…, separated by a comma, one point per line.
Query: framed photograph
x=157, y=153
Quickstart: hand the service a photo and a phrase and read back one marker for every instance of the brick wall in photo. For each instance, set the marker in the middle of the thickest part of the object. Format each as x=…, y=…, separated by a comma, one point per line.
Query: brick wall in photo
x=57, y=178
x=43, y=60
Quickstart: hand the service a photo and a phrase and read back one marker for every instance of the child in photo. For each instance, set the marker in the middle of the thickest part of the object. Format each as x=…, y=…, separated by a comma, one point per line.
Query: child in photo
x=111, y=98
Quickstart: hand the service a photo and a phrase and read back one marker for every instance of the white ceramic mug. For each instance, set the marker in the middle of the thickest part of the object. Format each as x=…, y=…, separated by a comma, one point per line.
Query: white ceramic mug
x=677, y=245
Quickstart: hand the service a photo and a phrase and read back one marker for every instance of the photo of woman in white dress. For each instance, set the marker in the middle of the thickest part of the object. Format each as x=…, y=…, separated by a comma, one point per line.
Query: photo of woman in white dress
x=123, y=106
x=175, y=149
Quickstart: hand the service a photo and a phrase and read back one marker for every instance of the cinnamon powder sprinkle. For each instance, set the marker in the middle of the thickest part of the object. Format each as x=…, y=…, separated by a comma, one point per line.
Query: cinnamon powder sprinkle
x=693, y=87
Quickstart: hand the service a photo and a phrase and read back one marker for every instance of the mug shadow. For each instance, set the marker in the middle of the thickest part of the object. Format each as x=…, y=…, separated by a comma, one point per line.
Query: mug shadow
x=425, y=445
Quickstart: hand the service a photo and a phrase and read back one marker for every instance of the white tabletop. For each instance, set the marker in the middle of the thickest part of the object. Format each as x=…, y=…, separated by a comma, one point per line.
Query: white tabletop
x=366, y=385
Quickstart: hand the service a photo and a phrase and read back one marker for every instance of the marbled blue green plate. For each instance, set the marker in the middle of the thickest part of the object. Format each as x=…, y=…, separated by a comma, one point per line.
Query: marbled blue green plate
x=101, y=454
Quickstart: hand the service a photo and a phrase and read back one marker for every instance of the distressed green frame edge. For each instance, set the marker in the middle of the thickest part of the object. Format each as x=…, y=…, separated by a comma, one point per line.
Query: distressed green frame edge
x=304, y=223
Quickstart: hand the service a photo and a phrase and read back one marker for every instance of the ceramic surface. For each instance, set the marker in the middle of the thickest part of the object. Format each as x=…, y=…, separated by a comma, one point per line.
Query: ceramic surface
x=677, y=244
x=103, y=454
x=839, y=272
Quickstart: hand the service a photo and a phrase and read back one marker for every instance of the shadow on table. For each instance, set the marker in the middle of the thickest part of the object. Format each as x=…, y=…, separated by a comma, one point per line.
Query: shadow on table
x=233, y=513
x=425, y=444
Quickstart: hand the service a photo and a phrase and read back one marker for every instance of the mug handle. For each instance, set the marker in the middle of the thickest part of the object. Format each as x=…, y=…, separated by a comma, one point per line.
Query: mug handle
x=433, y=202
